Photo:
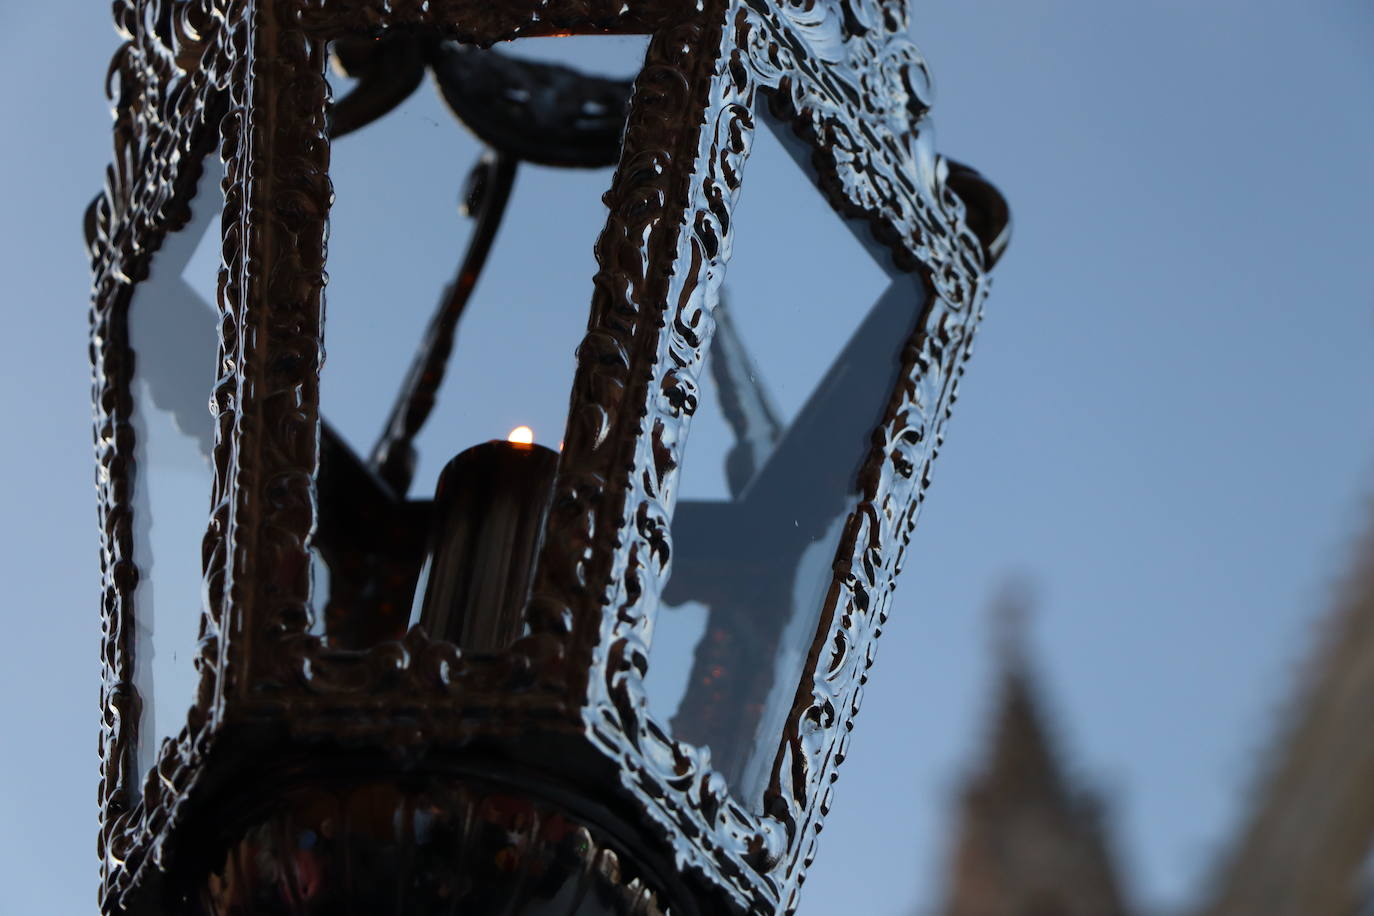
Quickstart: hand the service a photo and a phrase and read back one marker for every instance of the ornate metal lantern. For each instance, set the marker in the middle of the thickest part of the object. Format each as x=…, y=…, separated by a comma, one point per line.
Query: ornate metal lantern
x=324, y=695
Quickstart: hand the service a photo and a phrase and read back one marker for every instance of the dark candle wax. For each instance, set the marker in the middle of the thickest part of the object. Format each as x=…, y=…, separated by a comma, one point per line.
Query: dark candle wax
x=489, y=511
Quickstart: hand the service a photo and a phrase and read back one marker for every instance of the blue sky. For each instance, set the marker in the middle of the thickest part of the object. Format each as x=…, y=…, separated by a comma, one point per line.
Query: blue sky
x=1166, y=427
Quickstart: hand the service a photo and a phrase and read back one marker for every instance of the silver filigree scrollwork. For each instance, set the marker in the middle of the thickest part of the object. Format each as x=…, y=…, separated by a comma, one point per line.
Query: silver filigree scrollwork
x=168, y=81
x=842, y=72
x=854, y=87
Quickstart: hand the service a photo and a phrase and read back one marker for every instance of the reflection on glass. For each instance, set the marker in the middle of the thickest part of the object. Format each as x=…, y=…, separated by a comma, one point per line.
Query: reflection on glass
x=172, y=333
x=807, y=348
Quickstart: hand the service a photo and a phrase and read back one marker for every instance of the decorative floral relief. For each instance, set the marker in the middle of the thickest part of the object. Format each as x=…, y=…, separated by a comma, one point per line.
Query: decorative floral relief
x=841, y=71
x=853, y=86
x=167, y=80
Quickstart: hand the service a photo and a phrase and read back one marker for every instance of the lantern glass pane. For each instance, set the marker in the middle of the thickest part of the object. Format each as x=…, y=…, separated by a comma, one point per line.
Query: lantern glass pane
x=398, y=239
x=613, y=56
x=806, y=351
x=172, y=336
x=516, y=351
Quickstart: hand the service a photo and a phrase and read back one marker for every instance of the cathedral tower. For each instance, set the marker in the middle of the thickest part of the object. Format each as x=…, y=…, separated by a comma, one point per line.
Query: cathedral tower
x=1028, y=842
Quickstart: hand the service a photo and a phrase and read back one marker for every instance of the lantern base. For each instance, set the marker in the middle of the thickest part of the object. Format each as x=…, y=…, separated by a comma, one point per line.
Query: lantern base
x=414, y=844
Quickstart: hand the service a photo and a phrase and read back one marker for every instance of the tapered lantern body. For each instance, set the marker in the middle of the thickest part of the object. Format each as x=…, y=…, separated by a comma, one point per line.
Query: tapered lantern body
x=359, y=656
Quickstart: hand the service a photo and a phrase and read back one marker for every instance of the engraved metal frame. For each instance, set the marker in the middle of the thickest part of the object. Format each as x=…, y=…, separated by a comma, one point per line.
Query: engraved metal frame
x=248, y=75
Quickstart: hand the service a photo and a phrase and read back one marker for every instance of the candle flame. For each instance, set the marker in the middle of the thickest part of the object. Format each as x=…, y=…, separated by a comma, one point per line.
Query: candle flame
x=522, y=435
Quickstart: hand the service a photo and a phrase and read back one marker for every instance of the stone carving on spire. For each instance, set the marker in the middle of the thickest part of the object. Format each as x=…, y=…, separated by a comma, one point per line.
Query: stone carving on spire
x=1028, y=842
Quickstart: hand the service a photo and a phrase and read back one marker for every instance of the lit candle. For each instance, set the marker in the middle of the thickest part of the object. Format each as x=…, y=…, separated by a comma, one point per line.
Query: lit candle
x=489, y=511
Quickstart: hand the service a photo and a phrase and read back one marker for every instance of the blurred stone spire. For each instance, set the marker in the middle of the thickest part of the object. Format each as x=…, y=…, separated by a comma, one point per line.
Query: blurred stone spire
x=1028, y=842
x=1304, y=849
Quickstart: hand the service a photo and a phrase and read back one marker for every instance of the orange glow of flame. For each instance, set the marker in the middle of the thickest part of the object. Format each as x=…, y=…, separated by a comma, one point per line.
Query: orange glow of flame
x=521, y=435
